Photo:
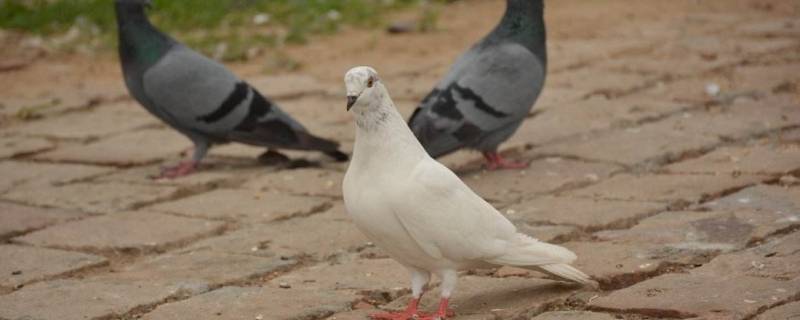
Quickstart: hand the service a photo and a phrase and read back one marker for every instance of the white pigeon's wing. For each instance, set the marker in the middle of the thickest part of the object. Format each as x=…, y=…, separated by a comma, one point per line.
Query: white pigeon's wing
x=197, y=92
x=488, y=89
x=446, y=218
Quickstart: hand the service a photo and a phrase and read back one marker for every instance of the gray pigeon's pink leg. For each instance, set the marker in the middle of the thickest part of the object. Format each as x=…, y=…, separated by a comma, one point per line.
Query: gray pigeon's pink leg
x=496, y=162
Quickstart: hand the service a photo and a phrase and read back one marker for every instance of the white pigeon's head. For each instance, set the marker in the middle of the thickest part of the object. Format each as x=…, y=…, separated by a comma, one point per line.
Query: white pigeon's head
x=358, y=81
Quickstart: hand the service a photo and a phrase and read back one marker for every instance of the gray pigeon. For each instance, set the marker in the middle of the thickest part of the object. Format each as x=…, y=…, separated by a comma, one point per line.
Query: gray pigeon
x=198, y=96
x=489, y=90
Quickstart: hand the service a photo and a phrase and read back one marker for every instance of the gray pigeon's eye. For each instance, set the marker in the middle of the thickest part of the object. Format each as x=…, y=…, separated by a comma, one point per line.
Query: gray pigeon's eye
x=370, y=82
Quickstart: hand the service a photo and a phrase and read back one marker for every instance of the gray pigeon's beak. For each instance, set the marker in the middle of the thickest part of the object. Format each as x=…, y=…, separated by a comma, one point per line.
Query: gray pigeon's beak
x=351, y=100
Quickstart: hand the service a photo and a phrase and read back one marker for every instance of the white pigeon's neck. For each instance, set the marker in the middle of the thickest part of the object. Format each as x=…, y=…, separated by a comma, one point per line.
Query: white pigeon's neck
x=381, y=131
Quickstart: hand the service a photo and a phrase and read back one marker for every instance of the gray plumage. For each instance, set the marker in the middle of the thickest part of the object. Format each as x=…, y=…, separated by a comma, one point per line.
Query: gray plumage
x=490, y=89
x=198, y=96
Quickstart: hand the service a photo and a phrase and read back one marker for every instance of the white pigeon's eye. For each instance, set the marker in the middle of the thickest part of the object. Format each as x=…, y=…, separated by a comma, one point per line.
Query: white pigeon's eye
x=370, y=82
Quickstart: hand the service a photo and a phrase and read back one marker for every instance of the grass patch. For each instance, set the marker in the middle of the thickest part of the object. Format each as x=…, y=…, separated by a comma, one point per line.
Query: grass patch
x=239, y=25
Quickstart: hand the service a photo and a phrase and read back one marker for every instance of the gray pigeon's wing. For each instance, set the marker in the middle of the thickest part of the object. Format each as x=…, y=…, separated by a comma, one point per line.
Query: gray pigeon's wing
x=488, y=89
x=199, y=94
x=202, y=96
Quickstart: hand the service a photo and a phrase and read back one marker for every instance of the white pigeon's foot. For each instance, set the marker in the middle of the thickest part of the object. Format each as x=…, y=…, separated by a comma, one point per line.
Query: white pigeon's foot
x=496, y=162
x=409, y=313
x=183, y=168
x=442, y=313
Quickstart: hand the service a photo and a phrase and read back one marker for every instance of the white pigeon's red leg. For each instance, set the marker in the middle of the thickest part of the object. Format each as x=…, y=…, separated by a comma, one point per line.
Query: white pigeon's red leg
x=183, y=168
x=449, y=279
x=496, y=162
x=419, y=278
x=441, y=313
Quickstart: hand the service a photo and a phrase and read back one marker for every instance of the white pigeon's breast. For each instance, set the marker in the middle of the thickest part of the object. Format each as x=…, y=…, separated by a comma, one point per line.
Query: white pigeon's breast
x=377, y=221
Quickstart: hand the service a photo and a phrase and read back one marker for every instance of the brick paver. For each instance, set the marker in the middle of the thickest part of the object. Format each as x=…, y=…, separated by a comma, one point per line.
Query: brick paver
x=24, y=264
x=138, y=231
x=682, y=201
x=19, y=219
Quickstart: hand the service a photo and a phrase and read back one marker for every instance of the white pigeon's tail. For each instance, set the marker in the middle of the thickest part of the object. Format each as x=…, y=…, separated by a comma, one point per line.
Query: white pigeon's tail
x=530, y=253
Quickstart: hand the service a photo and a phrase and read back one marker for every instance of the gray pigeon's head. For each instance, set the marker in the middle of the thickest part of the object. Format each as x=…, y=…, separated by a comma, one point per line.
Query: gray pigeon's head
x=357, y=81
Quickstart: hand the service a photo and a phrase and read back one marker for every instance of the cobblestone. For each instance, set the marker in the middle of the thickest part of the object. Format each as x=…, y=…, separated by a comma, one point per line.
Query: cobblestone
x=139, y=231
x=19, y=219
x=333, y=234
x=682, y=200
x=23, y=264
x=244, y=205
x=135, y=148
x=92, y=197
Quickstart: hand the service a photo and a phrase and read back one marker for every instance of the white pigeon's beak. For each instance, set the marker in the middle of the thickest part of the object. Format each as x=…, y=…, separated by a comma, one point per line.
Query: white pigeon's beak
x=351, y=100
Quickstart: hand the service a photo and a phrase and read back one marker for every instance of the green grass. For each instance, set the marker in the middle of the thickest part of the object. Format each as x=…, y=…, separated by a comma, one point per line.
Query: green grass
x=204, y=23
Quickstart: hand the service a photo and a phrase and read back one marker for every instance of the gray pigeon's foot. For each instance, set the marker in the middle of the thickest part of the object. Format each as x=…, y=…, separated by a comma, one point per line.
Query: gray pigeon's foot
x=496, y=162
x=272, y=158
x=183, y=168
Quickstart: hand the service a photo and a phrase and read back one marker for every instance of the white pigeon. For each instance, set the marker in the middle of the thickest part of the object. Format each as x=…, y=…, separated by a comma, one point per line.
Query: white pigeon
x=420, y=212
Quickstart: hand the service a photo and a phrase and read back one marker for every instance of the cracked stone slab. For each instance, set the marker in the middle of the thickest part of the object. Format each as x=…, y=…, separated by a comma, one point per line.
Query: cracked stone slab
x=593, y=81
x=244, y=205
x=624, y=146
x=307, y=181
x=18, y=219
x=138, y=231
x=128, y=149
x=93, y=197
x=80, y=299
x=543, y=175
x=733, y=286
x=20, y=265
x=777, y=27
x=16, y=146
x=376, y=279
x=198, y=272
x=505, y=298
x=776, y=201
x=682, y=133
x=787, y=311
x=98, y=122
x=614, y=263
x=213, y=172
x=333, y=233
x=665, y=187
x=758, y=159
x=31, y=174
x=573, y=52
x=686, y=235
x=589, y=214
x=236, y=303
x=582, y=117
x=573, y=315
x=765, y=78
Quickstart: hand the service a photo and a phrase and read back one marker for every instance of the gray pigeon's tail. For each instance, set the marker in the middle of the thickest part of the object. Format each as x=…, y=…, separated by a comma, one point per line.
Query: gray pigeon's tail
x=328, y=147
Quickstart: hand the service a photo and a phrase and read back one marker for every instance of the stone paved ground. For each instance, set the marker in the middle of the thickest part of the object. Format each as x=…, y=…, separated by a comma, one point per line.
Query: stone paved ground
x=681, y=203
